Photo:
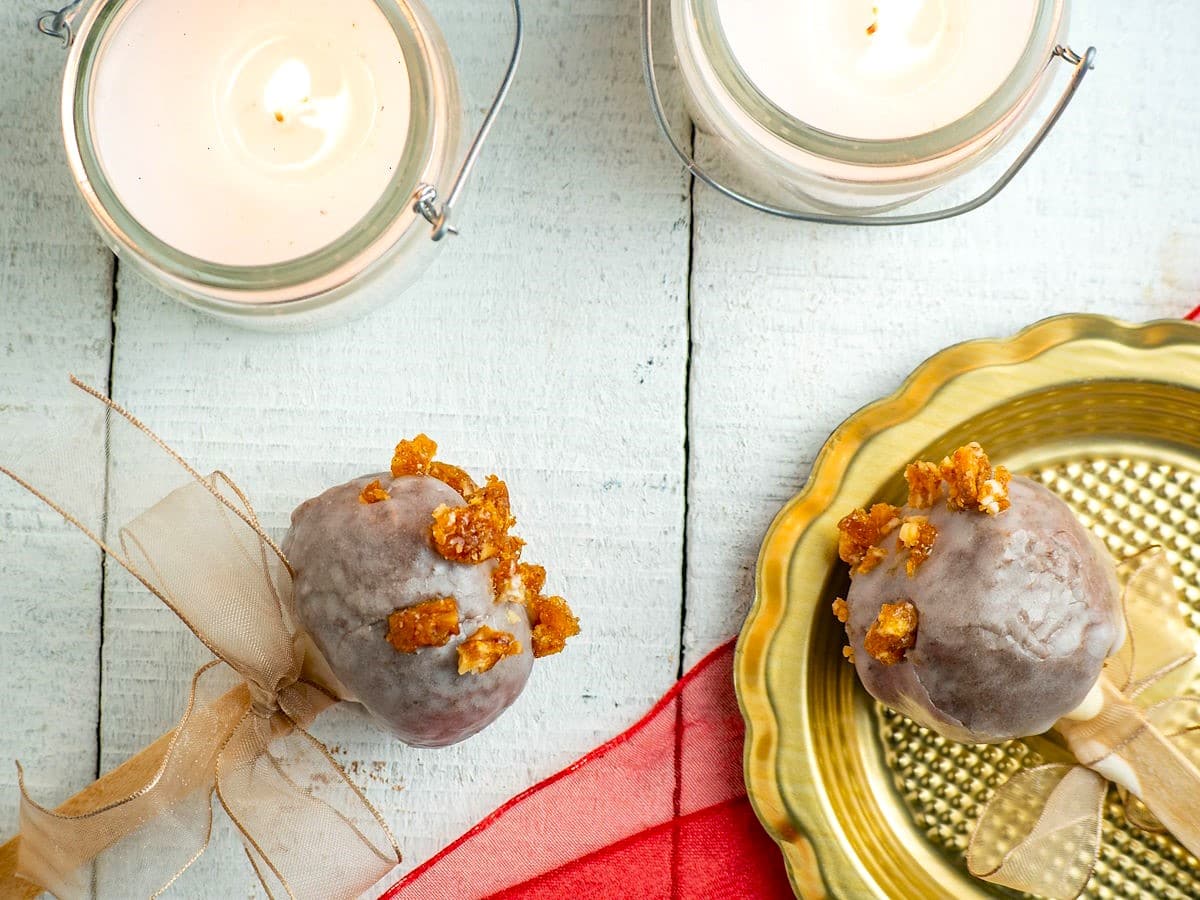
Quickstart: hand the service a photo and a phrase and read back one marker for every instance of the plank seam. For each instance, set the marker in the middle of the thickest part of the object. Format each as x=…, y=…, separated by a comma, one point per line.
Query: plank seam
x=683, y=581
x=112, y=357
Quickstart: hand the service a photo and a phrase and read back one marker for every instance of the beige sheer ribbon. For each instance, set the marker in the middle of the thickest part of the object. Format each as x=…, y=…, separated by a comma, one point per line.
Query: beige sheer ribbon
x=308, y=830
x=1040, y=832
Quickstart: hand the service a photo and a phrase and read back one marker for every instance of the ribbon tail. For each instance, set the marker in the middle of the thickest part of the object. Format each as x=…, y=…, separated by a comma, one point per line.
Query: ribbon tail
x=1178, y=718
x=1040, y=832
x=1158, y=640
x=308, y=831
x=58, y=849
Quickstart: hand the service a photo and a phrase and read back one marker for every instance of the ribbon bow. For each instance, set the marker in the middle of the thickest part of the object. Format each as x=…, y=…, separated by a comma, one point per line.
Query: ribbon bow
x=306, y=828
x=1040, y=833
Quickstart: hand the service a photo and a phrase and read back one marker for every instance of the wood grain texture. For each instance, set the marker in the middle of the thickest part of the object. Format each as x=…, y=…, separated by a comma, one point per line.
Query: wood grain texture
x=55, y=285
x=797, y=326
x=549, y=344
x=546, y=344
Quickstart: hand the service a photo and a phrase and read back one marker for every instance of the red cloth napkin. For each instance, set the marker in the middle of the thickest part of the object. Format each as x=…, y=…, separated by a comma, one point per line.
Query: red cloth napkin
x=658, y=812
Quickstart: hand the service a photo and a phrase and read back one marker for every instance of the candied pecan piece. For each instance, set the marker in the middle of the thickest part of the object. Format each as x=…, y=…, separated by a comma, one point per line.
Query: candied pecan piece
x=454, y=477
x=973, y=484
x=506, y=583
x=478, y=531
x=861, y=532
x=533, y=578
x=374, y=493
x=924, y=484
x=413, y=457
x=483, y=649
x=917, y=536
x=874, y=557
x=428, y=624
x=841, y=610
x=553, y=622
x=893, y=633
x=993, y=498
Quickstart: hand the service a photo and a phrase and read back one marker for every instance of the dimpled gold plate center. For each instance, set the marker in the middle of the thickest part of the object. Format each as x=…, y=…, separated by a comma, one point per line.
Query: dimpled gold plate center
x=864, y=803
x=1129, y=501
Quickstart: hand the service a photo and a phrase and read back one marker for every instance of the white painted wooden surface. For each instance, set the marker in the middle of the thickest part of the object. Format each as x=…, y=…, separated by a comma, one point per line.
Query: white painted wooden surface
x=564, y=313
x=55, y=284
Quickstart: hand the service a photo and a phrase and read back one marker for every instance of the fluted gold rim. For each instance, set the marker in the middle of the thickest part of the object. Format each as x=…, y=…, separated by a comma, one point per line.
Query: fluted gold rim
x=819, y=805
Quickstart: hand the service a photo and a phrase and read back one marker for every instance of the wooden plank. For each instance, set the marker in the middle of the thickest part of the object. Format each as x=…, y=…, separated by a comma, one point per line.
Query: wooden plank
x=797, y=326
x=55, y=290
x=547, y=344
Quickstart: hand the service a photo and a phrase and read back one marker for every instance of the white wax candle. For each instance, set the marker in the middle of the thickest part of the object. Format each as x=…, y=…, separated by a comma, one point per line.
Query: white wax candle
x=877, y=69
x=250, y=133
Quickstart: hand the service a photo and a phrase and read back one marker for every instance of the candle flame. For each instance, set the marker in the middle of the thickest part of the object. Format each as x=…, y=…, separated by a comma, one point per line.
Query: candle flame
x=891, y=32
x=288, y=98
x=288, y=89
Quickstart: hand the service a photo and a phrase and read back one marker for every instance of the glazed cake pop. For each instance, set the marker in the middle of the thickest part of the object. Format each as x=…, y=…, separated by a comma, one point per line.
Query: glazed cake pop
x=982, y=609
x=412, y=589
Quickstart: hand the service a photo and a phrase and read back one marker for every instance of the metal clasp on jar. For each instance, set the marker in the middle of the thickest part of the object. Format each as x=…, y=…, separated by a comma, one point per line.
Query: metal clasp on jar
x=426, y=201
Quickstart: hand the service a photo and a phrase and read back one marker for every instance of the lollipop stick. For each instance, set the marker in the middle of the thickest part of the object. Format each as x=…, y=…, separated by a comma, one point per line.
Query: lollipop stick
x=1126, y=748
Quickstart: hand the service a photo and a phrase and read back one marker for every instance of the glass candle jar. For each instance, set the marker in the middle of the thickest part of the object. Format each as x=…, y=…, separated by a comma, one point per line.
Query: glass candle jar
x=837, y=110
x=277, y=163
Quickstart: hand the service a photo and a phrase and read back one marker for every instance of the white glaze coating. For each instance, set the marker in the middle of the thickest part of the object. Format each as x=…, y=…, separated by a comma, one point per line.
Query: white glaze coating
x=1017, y=614
x=358, y=563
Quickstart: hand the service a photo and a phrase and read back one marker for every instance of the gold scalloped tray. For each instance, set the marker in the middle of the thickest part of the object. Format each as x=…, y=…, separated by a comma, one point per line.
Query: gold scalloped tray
x=863, y=802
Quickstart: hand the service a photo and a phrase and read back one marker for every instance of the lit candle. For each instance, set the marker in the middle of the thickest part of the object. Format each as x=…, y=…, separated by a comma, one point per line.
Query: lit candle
x=250, y=133
x=877, y=69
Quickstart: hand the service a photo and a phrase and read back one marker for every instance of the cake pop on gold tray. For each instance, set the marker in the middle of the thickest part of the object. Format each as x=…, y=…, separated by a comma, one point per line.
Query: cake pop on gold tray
x=985, y=611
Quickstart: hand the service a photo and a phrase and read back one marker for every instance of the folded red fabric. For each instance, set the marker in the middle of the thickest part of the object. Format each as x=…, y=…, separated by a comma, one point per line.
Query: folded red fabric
x=658, y=812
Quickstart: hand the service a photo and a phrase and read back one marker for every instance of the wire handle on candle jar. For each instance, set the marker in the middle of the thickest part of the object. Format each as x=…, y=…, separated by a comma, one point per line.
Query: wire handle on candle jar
x=425, y=199
x=57, y=22
x=1082, y=65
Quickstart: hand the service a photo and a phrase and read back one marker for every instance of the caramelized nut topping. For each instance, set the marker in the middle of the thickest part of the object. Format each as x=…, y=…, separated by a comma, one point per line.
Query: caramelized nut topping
x=374, y=493
x=454, y=477
x=841, y=610
x=861, y=532
x=483, y=649
x=553, y=622
x=993, y=499
x=478, y=531
x=413, y=457
x=893, y=633
x=508, y=587
x=917, y=536
x=428, y=624
x=473, y=533
x=972, y=482
x=533, y=578
x=874, y=557
x=924, y=484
